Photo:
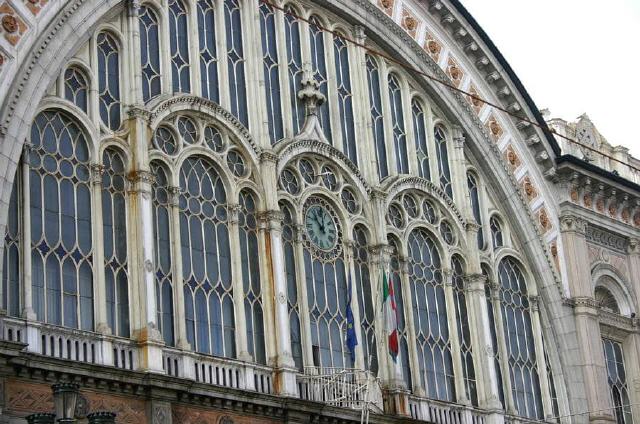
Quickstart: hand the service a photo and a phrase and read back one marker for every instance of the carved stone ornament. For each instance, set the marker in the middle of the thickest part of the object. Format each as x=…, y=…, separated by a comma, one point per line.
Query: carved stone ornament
x=572, y=223
x=9, y=23
x=226, y=420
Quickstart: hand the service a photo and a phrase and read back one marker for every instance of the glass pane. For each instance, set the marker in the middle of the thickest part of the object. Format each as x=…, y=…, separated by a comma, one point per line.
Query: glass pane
x=109, y=80
x=271, y=67
x=149, y=53
x=377, y=120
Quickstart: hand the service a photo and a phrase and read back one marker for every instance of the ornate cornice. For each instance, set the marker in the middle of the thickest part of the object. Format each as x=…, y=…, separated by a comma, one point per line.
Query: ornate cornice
x=606, y=239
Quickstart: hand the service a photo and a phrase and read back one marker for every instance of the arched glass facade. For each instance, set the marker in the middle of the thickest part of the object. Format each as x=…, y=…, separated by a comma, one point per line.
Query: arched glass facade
x=241, y=216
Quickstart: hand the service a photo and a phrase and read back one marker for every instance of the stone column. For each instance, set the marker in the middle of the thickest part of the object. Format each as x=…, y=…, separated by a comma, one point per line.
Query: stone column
x=276, y=279
x=27, y=294
x=591, y=355
x=454, y=338
x=176, y=270
x=459, y=171
x=509, y=405
x=483, y=353
x=541, y=360
x=238, y=290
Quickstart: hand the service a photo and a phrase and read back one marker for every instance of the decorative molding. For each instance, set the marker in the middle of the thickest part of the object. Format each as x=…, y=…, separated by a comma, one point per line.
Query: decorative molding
x=606, y=239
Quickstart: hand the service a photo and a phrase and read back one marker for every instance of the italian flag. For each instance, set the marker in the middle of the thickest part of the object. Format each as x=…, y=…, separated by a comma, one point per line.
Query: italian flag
x=390, y=317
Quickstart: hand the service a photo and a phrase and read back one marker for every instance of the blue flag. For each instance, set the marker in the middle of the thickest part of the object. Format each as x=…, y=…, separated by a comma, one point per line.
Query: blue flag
x=352, y=339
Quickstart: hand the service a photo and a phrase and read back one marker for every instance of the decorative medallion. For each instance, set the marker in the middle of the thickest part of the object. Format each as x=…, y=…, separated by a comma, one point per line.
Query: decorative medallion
x=454, y=71
x=495, y=129
x=432, y=47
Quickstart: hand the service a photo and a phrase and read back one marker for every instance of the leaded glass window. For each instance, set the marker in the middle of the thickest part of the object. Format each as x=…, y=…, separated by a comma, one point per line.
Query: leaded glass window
x=149, y=53
x=474, y=195
x=319, y=69
x=179, y=43
x=377, y=121
x=289, y=245
x=617, y=379
x=114, y=233
x=76, y=87
x=442, y=155
x=464, y=333
x=206, y=259
x=430, y=317
x=396, y=280
x=62, y=247
x=397, y=122
x=162, y=253
x=208, y=50
x=420, y=135
x=345, y=98
x=249, y=260
x=496, y=232
x=109, y=80
x=365, y=300
x=518, y=333
x=552, y=388
x=11, y=255
x=271, y=68
x=326, y=279
x=235, y=61
x=294, y=64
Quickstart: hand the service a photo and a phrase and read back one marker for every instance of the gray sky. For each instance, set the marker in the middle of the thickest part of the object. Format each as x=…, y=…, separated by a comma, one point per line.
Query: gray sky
x=573, y=56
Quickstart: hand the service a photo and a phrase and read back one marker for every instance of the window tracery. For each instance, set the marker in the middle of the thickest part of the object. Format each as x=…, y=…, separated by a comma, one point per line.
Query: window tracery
x=208, y=50
x=319, y=69
x=397, y=121
x=420, y=135
x=11, y=257
x=109, y=80
x=271, y=67
x=403, y=334
x=294, y=65
x=365, y=289
x=345, y=98
x=496, y=232
x=474, y=195
x=149, y=53
x=236, y=61
x=114, y=233
x=442, y=154
x=76, y=87
x=179, y=45
x=616, y=376
x=377, y=119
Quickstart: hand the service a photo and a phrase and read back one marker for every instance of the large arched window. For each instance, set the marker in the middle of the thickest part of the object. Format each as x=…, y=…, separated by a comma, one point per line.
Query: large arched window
x=249, y=260
x=319, y=69
x=442, y=155
x=474, y=195
x=11, y=256
x=109, y=80
x=76, y=87
x=345, y=98
x=289, y=245
x=208, y=50
x=114, y=233
x=271, y=69
x=326, y=280
x=617, y=379
x=397, y=122
x=294, y=65
x=420, y=135
x=464, y=332
x=518, y=335
x=62, y=246
x=179, y=44
x=235, y=61
x=162, y=253
x=396, y=280
x=206, y=259
x=149, y=53
x=377, y=119
x=430, y=317
x=364, y=291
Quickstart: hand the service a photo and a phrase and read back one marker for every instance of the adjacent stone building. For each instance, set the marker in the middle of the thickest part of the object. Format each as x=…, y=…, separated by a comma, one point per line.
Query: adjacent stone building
x=200, y=199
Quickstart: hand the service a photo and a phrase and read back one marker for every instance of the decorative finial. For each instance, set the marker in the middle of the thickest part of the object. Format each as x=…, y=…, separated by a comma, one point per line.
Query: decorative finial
x=312, y=98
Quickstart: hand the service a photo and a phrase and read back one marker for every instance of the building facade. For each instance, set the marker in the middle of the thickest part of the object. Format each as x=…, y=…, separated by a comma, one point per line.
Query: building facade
x=205, y=203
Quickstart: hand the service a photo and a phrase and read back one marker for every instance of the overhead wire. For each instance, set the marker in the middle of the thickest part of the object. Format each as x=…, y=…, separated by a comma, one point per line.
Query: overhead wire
x=375, y=52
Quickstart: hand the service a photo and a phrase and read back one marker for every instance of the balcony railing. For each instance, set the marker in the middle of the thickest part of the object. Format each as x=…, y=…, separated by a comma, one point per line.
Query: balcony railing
x=345, y=388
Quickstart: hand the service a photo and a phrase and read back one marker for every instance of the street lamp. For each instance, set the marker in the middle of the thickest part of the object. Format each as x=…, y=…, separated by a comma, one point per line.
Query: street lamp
x=65, y=396
x=41, y=418
x=102, y=417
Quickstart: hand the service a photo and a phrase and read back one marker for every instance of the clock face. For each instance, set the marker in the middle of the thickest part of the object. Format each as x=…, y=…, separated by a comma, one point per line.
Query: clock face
x=321, y=228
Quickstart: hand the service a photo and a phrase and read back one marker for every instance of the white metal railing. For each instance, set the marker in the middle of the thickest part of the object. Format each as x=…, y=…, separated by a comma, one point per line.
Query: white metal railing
x=217, y=371
x=346, y=388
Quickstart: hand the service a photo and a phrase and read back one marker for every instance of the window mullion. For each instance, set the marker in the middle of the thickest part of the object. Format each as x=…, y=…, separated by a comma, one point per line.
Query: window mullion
x=305, y=322
x=409, y=299
x=238, y=291
x=454, y=339
x=194, y=47
x=102, y=325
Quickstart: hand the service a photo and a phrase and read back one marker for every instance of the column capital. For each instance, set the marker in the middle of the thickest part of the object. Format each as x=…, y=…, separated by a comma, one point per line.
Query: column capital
x=27, y=148
x=475, y=282
x=458, y=136
x=135, y=111
x=234, y=212
x=534, y=301
x=133, y=7
x=447, y=276
x=572, y=224
x=174, y=195
x=268, y=156
x=97, y=169
x=271, y=219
